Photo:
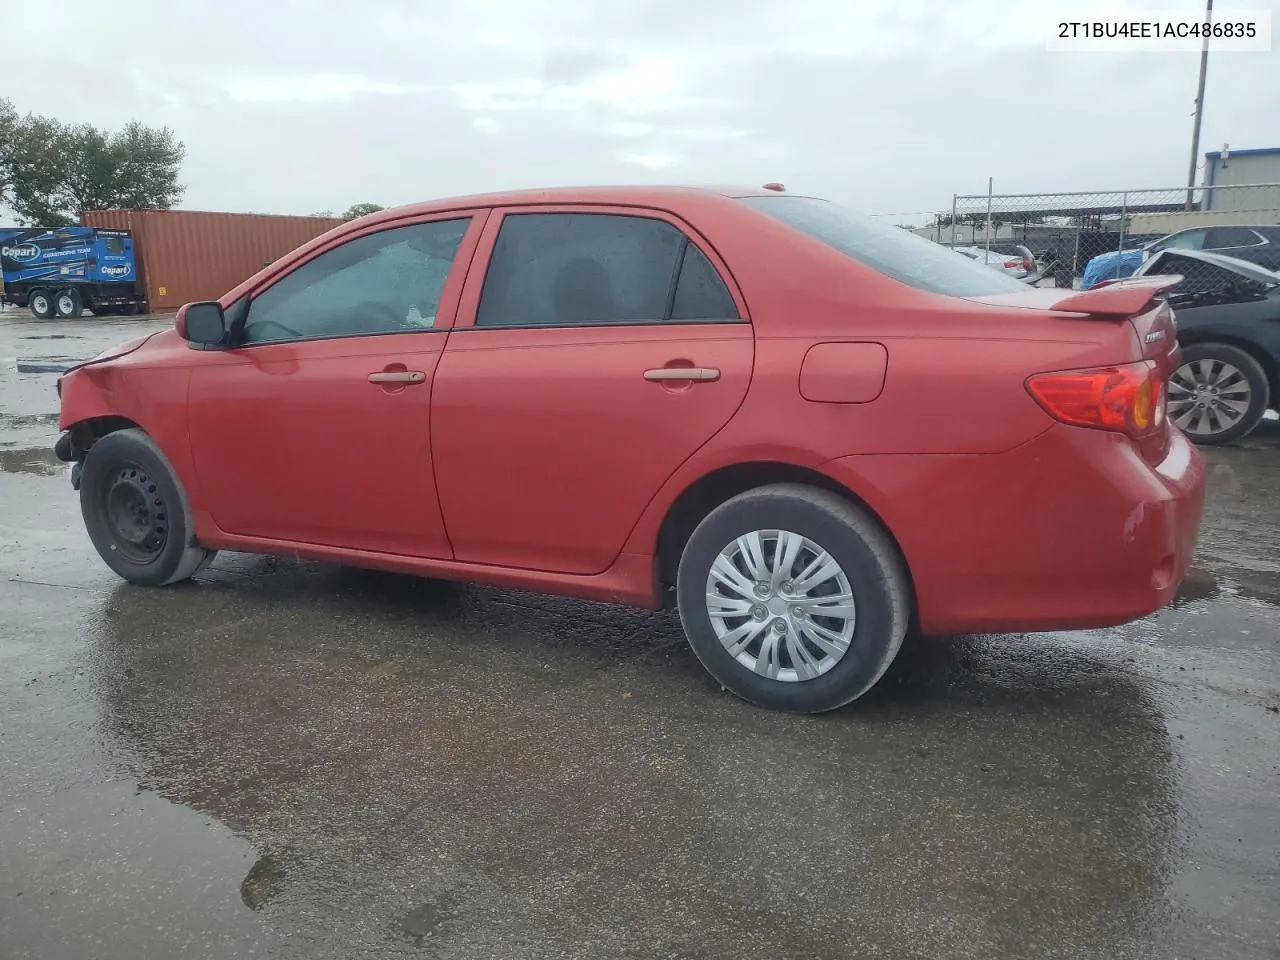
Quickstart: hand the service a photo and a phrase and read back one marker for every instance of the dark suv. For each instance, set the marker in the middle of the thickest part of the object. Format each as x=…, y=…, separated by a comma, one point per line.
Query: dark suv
x=1228, y=321
x=1255, y=244
x=1260, y=245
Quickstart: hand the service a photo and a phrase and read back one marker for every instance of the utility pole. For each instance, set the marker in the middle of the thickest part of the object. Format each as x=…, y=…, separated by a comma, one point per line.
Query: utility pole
x=1195, y=132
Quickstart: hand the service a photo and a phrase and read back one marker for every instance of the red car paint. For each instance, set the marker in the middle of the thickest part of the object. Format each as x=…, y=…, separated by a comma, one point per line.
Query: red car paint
x=542, y=459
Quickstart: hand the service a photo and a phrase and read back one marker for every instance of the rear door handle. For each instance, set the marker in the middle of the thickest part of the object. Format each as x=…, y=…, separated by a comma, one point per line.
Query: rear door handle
x=397, y=376
x=697, y=374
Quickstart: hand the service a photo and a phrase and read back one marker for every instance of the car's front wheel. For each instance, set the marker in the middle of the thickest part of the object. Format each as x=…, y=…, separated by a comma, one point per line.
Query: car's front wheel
x=793, y=598
x=1218, y=394
x=136, y=512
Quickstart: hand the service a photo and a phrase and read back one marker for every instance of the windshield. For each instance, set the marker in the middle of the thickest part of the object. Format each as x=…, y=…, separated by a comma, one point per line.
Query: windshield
x=895, y=252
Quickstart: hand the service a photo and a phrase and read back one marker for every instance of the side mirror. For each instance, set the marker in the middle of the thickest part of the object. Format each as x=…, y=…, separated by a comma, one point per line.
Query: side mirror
x=203, y=324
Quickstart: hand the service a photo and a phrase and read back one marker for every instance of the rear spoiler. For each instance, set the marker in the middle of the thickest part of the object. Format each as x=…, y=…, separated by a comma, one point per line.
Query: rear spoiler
x=1120, y=298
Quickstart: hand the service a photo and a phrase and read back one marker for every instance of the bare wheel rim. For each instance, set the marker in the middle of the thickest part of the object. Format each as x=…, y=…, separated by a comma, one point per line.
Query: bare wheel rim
x=136, y=515
x=1208, y=397
x=66, y=305
x=781, y=605
x=40, y=303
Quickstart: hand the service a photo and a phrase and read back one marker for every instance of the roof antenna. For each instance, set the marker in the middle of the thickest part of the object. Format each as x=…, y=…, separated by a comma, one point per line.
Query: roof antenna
x=775, y=186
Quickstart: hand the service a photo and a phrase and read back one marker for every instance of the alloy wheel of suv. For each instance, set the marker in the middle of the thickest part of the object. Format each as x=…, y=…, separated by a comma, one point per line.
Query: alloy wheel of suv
x=1218, y=394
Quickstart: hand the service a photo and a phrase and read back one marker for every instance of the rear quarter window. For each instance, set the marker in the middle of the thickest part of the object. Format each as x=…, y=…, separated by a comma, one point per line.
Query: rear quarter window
x=890, y=250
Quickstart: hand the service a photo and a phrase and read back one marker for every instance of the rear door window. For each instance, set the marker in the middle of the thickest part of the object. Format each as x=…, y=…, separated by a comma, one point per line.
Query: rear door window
x=889, y=249
x=700, y=293
x=589, y=269
x=1221, y=238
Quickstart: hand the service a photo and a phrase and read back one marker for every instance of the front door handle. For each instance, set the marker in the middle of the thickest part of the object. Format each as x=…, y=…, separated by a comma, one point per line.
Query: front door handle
x=397, y=376
x=696, y=374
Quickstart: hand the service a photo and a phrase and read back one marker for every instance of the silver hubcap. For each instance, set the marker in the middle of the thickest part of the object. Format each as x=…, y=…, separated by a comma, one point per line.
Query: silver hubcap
x=781, y=605
x=1208, y=397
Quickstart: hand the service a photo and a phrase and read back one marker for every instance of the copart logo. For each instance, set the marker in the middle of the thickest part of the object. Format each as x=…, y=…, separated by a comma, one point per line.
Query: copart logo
x=21, y=252
x=120, y=271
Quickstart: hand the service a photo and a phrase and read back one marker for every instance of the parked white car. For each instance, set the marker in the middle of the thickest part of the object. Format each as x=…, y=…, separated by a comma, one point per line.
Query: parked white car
x=1018, y=266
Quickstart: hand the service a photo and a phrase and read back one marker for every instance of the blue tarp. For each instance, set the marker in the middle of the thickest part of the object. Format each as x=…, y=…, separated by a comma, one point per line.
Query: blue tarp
x=1110, y=266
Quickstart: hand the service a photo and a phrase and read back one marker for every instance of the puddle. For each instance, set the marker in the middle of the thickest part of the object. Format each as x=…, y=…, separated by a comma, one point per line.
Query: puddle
x=1200, y=584
x=262, y=883
x=29, y=420
x=103, y=864
x=425, y=922
x=38, y=460
x=45, y=366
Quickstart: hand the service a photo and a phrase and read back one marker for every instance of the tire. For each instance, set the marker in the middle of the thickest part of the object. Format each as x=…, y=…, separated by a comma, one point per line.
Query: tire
x=69, y=304
x=137, y=513
x=866, y=558
x=41, y=304
x=1218, y=394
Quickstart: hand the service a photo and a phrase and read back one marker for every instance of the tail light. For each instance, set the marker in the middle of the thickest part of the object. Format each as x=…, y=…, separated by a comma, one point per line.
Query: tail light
x=1128, y=398
x=1012, y=264
x=1027, y=264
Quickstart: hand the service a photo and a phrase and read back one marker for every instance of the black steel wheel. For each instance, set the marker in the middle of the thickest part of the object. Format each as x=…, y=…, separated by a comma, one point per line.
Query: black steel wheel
x=136, y=512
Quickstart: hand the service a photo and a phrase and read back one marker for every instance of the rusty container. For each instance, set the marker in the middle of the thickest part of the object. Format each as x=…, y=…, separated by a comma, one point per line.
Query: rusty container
x=188, y=255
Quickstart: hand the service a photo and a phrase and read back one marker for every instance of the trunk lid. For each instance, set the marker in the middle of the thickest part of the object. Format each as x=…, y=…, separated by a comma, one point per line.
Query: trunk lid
x=1135, y=302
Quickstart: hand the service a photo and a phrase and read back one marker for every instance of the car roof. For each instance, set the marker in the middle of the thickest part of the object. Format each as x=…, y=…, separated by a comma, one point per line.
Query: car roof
x=637, y=195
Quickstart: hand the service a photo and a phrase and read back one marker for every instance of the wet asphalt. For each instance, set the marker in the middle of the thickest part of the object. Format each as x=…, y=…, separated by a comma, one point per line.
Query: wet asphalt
x=287, y=759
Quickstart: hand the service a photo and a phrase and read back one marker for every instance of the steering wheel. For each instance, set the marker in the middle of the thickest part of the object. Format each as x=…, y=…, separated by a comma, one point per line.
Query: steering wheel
x=251, y=329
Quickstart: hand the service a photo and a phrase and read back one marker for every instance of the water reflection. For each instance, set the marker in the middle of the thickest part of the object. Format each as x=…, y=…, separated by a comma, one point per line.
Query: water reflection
x=38, y=460
x=486, y=767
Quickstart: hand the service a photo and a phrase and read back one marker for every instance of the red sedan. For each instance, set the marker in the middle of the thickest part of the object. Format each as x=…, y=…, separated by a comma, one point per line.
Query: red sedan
x=808, y=431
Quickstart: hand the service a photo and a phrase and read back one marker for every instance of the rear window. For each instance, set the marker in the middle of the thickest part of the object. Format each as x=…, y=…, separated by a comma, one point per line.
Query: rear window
x=895, y=252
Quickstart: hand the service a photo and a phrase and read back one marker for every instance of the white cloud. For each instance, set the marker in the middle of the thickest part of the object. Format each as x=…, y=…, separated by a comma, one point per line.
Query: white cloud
x=891, y=105
x=305, y=88
x=654, y=161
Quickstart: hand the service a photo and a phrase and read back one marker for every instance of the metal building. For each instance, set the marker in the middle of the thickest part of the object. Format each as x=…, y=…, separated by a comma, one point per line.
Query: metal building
x=1228, y=167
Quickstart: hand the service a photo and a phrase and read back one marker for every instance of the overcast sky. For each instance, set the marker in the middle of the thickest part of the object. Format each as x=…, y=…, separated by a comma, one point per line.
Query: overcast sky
x=294, y=106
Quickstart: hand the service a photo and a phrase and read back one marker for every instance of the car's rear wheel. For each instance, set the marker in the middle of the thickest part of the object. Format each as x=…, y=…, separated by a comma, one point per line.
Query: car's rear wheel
x=136, y=512
x=41, y=304
x=793, y=598
x=1218, y=394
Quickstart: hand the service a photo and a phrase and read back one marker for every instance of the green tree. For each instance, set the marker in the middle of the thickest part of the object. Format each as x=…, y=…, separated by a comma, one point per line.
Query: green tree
x=361, y=210
x=8, y=123
x=51, y=173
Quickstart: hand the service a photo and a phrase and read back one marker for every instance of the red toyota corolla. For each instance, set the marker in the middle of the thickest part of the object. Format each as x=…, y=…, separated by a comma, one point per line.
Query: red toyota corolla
x=808, y=431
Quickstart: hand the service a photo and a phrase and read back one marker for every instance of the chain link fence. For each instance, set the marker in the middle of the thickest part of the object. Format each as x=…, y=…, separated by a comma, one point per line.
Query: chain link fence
x=1063, y=232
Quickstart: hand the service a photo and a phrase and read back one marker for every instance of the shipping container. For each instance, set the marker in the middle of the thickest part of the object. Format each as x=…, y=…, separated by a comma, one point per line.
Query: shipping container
x=188, y=255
